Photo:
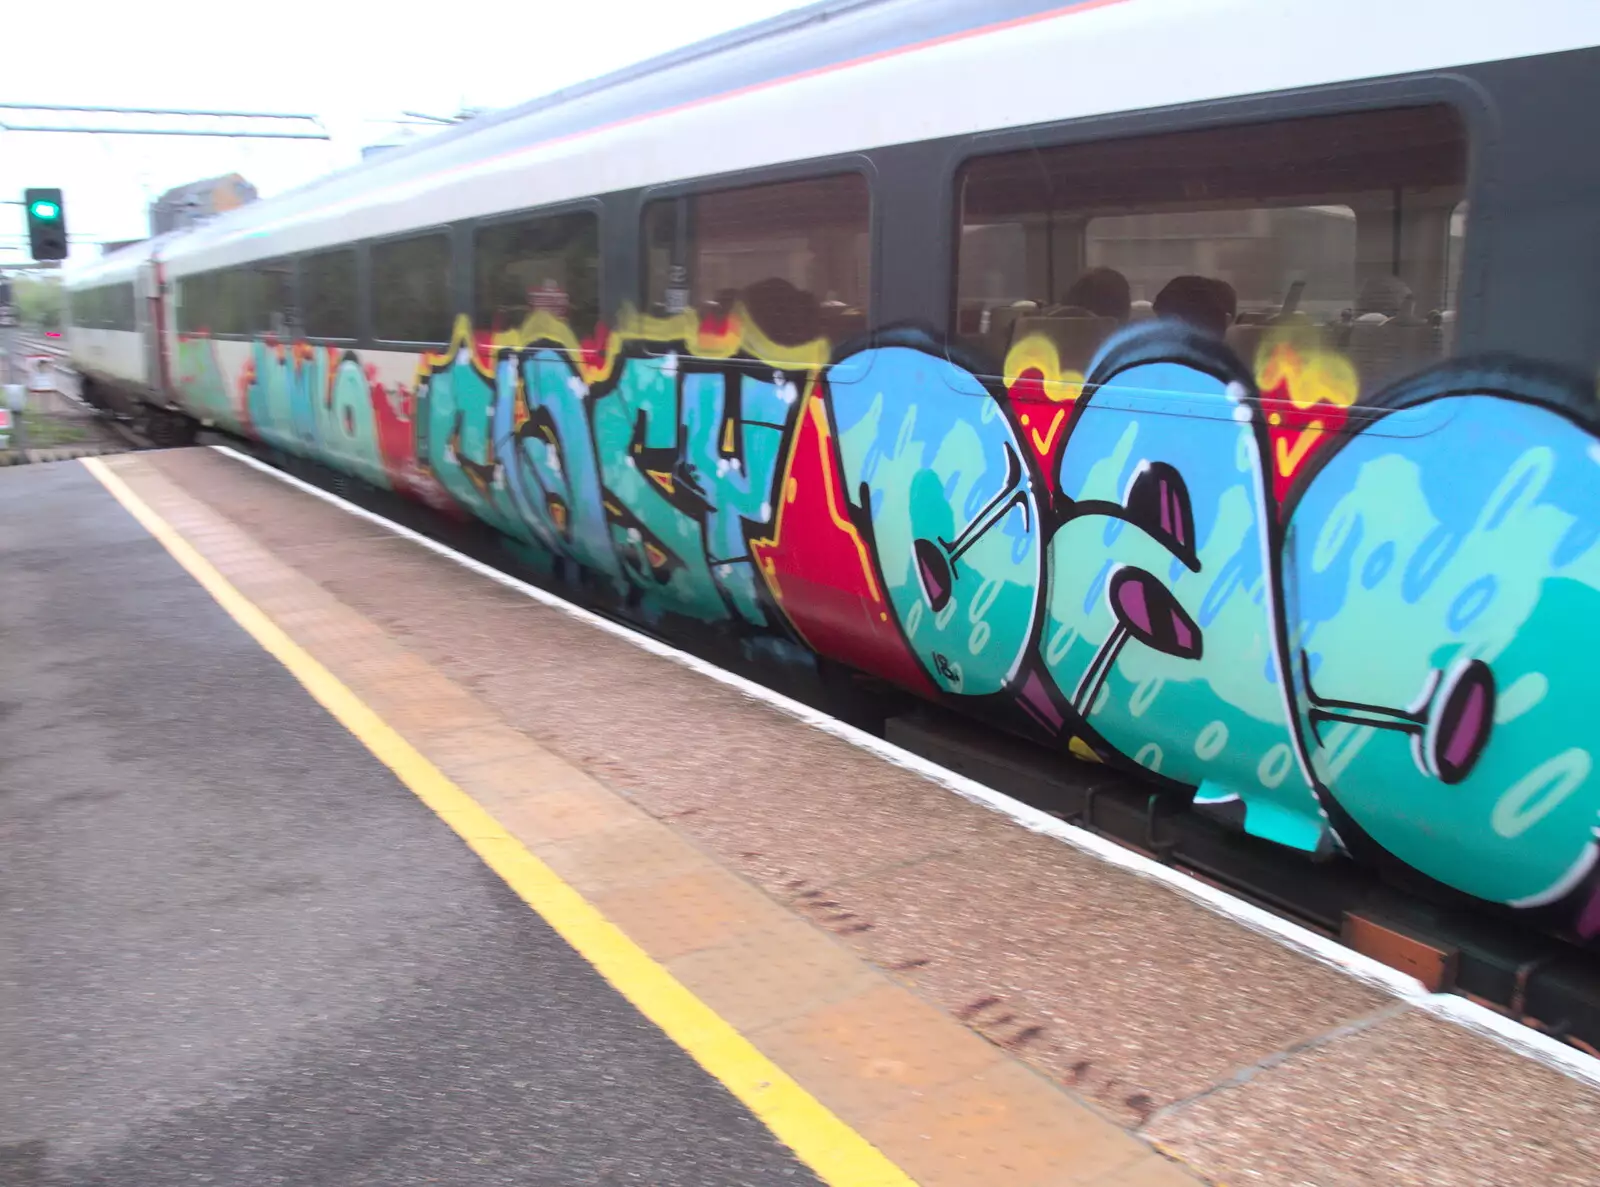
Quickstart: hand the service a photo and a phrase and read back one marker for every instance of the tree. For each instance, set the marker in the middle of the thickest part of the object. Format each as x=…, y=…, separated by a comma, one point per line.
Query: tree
x=39, y=301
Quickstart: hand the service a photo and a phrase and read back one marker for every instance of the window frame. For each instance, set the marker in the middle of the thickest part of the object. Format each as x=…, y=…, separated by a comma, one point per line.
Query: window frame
x=1471, y=106
x=367, y=292
x=224, y=276
x=591, y=205
x=183, y=320
x=297, y=261
x=813, y=169
x=290, y=267
x=126, y=292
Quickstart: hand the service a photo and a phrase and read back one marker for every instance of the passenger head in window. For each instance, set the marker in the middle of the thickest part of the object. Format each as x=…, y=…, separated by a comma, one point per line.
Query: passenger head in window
x=1386, y=295
x=784, y=314
x=1103, y=292
x=1203, y=302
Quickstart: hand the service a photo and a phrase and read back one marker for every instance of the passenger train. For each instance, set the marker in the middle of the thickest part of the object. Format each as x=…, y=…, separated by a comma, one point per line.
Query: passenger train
x=1206, y=389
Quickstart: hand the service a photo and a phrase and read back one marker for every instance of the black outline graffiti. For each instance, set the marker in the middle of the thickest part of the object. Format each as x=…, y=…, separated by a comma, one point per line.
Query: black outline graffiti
x=1156, y=500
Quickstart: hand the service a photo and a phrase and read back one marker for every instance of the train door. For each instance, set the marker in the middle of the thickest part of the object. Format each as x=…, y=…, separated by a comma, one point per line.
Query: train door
x=147, y=322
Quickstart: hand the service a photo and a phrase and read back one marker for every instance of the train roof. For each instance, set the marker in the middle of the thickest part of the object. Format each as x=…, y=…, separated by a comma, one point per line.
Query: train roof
x=110, y=267
x=114, y=267
x=843, y=76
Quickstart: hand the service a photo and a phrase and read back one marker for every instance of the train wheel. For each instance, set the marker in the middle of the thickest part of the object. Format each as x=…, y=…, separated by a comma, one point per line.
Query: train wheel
x=168, y=430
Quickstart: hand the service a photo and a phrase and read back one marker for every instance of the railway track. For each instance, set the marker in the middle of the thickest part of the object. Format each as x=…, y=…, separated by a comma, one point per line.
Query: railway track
x=59, y=424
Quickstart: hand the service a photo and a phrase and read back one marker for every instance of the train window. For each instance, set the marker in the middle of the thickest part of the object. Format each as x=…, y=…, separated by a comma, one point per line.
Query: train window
x=549, y=263
x=1349, y=226
x=214, y=303
x=196, y=303
x=122, y=315
x=328, y=293
x=795, y=254
x=666, y=270
x=231, y=300
x=411, y=289
x=266, y=297
x=1458, y=243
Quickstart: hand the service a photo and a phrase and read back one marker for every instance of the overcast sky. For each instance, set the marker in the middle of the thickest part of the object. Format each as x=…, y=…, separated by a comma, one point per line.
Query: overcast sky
x=355, y=65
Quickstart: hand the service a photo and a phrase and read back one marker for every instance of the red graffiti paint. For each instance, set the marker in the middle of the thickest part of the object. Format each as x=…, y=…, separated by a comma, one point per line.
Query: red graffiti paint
x=1041, y=423
x=1295, y=435
x=717, y=324
x=241, y=406
x=392, y=414
x=593, y=348
x=818, y=567
x=1305, y=395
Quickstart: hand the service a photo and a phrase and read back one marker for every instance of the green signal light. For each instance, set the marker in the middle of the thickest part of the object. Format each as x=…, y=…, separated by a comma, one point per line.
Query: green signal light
x=45, y=212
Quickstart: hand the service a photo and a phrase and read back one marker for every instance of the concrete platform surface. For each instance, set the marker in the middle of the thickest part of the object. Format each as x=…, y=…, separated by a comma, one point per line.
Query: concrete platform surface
x=983, y=1004
x=237, y=951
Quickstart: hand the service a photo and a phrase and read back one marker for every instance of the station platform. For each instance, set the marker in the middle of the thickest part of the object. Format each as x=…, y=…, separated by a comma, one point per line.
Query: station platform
x=335, y=858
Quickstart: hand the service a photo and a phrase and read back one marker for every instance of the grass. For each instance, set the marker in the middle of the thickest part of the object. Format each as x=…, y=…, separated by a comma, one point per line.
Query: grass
x=33, y=430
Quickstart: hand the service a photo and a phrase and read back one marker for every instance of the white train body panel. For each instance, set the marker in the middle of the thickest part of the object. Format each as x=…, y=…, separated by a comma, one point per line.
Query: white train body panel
x=116, y=354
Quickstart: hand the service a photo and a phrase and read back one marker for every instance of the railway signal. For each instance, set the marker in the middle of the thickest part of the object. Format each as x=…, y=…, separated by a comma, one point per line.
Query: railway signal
x=47, y=224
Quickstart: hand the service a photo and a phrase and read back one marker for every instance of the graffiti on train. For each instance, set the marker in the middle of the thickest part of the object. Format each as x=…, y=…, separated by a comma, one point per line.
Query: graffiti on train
x=1345, y=619
x=309, y=399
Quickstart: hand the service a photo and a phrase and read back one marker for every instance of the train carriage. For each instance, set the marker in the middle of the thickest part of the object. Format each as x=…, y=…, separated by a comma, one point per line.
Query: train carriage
x=1205, y=389
x=113, y=337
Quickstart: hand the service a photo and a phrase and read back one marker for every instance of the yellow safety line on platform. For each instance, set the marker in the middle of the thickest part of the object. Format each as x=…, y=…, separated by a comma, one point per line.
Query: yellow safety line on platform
x=837, y=1153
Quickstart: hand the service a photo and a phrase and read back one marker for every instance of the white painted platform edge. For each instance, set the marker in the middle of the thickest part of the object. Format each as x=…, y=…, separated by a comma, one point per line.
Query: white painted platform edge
x=1524, y=1040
